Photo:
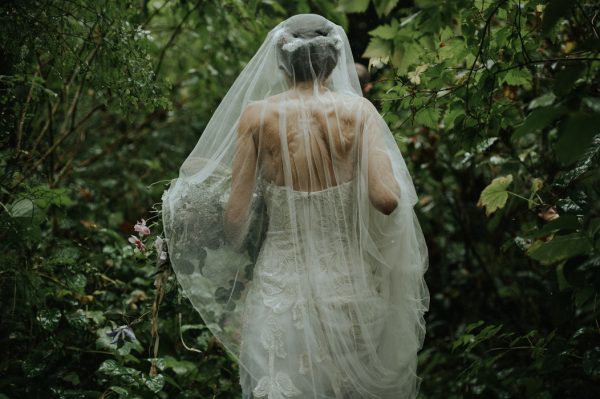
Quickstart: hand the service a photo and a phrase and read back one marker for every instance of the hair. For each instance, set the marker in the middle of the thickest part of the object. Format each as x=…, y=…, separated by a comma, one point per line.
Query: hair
x=308, y=47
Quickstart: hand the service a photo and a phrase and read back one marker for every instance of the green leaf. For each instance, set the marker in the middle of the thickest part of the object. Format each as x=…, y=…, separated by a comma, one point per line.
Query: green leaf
x=21, y=208
x=544, y=100
x=179, y=367
x=351, y=6
x=378, y=48
x=495, y=195
x=538, y=119
x=155, y=384
x=591, y=362
x=384, y=31
x=121, y=391
x=593, y=103
x=49, y=318
x=559, y=248
x=586, y=165
x=384, y=7
x=427, y=116
x=575, y=136
x=517, y=77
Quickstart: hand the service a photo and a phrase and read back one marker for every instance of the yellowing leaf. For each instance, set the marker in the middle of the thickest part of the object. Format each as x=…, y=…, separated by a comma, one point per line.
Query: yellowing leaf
x=494, y=196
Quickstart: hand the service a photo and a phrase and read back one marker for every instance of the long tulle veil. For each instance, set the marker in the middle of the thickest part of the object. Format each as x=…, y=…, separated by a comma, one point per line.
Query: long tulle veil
x=214, y=253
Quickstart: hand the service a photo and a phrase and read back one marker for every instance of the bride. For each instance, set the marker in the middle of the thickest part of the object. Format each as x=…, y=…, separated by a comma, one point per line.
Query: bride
x=291, y=227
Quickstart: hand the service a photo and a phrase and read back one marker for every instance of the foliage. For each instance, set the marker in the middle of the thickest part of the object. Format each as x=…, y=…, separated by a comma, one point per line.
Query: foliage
x=496, y=104
x=100, y=103
x=492, y=102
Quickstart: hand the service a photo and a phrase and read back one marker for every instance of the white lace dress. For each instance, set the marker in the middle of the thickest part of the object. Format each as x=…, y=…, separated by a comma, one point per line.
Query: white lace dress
x=305, y=312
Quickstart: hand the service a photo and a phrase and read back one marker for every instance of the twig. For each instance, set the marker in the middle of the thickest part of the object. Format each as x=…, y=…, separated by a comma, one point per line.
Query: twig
x=172, y=39
x=24, y=111
x=480, y=51
x=518, y=18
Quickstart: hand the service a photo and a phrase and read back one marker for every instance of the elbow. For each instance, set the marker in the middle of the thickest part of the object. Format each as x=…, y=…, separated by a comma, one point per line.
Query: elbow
x=385, y=198
x=387, y=206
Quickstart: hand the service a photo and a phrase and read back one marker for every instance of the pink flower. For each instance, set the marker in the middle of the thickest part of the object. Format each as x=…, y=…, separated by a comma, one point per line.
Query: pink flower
x=138, y=243
x=141, y=228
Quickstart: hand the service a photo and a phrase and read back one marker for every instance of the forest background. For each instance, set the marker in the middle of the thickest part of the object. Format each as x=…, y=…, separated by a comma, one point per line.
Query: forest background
x=494, y=104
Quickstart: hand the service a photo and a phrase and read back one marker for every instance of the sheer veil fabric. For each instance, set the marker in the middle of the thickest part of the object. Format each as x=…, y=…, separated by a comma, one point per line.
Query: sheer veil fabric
x=292, y=232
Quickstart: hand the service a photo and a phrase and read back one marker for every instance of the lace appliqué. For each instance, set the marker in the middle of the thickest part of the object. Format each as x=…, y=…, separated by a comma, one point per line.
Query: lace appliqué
x=276, y=385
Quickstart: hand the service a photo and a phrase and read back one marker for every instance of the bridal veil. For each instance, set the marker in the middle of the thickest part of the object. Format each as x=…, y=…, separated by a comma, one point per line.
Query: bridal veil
x=294, y=140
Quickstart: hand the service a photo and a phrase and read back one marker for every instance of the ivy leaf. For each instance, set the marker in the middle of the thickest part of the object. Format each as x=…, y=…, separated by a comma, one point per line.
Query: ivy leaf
x=559, y=248
x=155, y=384
x=494, y=196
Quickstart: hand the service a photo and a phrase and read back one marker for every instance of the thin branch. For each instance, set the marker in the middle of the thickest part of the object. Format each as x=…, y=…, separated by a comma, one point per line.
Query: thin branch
x=64, y=131
x=172, y=39
x=518, y=18
x=156, y=11
x=24, y=110
x=480, y=50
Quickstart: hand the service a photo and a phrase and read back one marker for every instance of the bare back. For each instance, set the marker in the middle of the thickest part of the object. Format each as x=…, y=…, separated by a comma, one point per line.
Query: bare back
x=309, y=143
x=321, y=134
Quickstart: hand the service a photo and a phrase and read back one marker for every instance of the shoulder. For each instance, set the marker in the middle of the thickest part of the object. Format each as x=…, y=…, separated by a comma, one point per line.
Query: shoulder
x=250, y=117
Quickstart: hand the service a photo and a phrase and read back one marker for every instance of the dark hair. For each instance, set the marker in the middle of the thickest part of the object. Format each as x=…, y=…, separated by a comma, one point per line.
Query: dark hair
x=313, y=59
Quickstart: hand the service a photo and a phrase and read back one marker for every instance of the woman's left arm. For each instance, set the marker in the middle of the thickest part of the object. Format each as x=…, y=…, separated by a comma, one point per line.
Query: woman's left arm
x=243, y=178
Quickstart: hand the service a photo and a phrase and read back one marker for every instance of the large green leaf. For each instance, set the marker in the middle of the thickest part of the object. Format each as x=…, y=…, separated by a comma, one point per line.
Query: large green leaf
x=575, y=136
x=538, y=119
x=378, y=48
x=385, y=31
x=559, y=248
x=494, y=196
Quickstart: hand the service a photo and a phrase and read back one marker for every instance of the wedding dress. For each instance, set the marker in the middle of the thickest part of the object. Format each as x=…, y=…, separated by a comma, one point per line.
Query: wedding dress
x=292, y=232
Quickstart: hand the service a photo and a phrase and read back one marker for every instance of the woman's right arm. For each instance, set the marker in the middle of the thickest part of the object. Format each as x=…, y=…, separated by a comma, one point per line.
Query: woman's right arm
x=384, y=190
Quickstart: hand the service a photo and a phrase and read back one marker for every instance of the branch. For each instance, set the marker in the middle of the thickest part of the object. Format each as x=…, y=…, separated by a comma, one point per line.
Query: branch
x=24, y=111
x=480, y=51
x=172, y=39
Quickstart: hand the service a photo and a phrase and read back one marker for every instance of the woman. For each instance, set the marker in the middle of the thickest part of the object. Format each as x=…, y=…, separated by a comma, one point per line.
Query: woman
x=291, y=227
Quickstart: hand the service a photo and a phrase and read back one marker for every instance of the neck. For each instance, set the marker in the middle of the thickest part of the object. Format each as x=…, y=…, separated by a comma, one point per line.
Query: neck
x=309, y=86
